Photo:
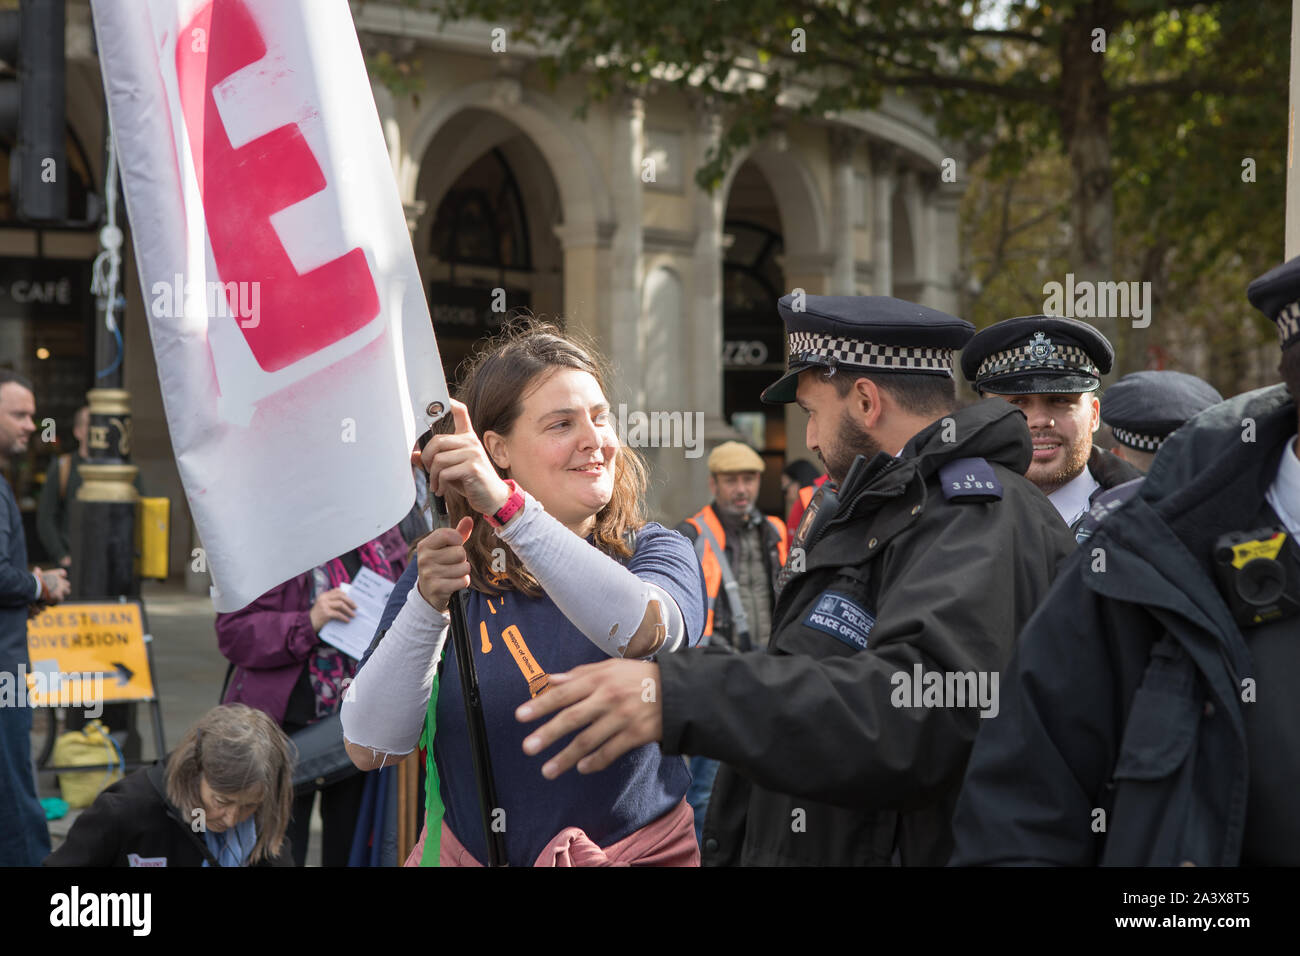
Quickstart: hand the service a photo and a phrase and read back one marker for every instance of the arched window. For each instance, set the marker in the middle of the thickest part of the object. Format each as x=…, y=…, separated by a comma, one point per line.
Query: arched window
x=751, y=275
x=753, y=343
x=481, y=219
x=482, y=263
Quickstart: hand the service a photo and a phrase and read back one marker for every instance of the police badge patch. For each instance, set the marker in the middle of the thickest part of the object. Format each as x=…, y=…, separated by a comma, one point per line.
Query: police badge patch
x=969, y=479
x=841, y=618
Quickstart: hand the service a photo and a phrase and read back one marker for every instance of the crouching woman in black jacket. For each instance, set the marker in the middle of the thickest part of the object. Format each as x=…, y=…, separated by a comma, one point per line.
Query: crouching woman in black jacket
x=221, y=798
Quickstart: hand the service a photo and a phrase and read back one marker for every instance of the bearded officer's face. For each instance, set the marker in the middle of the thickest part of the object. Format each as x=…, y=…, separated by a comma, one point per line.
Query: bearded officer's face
x=1061, y=426
x=833, y=432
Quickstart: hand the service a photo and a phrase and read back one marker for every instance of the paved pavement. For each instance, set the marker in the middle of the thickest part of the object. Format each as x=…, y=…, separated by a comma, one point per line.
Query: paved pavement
x=189, y=671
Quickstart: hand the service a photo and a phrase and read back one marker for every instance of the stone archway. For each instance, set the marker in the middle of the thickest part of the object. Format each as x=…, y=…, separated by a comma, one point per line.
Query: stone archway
x=804, y=222
x=585, y=196
x=586, y=217
x=486, y=238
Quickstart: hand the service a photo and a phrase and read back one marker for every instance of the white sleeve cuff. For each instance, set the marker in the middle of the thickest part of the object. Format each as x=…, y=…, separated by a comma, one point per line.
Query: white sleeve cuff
x=675, y=638
x=384, y=708
x=601, y=597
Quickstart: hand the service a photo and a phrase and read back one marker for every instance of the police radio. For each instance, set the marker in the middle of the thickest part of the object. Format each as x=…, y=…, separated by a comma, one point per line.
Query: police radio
x=1252, y=579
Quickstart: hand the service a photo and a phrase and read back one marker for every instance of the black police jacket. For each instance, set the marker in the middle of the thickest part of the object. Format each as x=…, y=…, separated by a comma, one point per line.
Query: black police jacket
x=824, y=761
x=1110, y=472
x=1121, y=738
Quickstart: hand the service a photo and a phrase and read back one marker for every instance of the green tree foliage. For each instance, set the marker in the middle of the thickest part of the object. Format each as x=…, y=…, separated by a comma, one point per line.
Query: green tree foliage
x=1148, y=106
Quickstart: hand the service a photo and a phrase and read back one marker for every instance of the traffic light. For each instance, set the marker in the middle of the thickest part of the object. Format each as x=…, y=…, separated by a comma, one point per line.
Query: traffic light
x=32, y=109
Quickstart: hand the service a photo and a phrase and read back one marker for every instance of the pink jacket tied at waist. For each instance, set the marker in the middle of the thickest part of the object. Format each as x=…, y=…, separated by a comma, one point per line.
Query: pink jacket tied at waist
x=668, y=841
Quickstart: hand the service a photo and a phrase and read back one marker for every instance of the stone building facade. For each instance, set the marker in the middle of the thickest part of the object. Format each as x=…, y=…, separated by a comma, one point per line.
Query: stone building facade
x=597, y=222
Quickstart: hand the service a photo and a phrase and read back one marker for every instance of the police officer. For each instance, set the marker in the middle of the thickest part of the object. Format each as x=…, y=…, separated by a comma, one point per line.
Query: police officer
x=1049, y=368
x=1151, y=716
x=1142, y=409
x=845, y=742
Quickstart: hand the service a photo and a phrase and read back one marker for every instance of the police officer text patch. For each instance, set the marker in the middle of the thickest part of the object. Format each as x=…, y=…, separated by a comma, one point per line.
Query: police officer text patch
x=970, y=479
x=842, y=619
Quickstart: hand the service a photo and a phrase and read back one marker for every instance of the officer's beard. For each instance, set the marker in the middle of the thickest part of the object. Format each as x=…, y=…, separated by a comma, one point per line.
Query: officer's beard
x=851, y=440
x=1071, y=467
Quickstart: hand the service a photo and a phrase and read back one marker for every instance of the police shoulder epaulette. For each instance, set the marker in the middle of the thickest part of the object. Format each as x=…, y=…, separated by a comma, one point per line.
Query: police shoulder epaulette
x=969, y=479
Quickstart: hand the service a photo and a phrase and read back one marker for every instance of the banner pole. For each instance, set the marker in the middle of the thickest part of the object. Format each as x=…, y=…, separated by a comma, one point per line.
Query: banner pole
x=487, y=794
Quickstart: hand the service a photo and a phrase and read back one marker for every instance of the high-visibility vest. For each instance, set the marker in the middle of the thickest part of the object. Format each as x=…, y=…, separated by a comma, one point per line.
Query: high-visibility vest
x=799, y=507
x=706, y=517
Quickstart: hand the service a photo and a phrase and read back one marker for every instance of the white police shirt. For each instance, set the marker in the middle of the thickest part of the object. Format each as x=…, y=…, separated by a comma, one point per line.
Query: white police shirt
x=1284, y=494
x=1072, y=498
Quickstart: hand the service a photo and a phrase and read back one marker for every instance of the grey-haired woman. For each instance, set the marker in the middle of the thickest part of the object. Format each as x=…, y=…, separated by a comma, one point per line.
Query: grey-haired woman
x=222, y=798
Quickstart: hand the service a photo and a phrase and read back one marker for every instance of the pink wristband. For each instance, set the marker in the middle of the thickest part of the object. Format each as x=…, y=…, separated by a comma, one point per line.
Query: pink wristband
x=507, y=510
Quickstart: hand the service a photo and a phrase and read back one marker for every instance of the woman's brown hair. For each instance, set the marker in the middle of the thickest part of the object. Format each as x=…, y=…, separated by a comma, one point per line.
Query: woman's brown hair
x=236, y=748
x=495, y=383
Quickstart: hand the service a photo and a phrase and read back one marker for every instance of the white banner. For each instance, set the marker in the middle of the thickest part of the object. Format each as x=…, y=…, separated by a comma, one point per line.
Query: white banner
x=292, y=338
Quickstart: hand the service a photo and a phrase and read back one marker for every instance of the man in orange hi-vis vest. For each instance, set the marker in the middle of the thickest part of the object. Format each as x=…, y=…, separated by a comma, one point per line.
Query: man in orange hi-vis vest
x=741, y=551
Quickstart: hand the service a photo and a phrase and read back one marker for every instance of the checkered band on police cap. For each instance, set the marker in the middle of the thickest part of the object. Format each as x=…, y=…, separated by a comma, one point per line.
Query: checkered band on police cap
x=1288, y=324
x=1134, y=440
x=1039, y=354
x=1277, y=294
x=828, y=349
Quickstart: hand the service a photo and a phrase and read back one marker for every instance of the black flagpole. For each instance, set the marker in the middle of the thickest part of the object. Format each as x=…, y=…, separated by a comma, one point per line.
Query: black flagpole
x=478, y=742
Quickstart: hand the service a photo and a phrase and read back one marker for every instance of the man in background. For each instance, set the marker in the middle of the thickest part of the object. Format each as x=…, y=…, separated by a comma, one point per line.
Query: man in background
x=62, y=479
x=24, y=839
x=1142, y=409
x=741, y=552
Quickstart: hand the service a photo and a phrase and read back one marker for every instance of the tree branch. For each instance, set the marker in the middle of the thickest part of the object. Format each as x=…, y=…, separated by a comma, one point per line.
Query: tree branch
x=1020, y=94
x=1188, y=85
x=821, y=12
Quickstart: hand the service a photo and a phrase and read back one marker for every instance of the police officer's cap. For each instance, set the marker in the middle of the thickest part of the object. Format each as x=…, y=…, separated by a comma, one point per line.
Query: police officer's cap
x=1277, y=294
x=1034, y=354
x=1143, y=408
x=865, y=333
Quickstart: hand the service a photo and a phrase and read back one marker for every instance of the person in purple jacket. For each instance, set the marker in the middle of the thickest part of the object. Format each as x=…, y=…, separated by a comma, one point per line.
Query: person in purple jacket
x=282, y=667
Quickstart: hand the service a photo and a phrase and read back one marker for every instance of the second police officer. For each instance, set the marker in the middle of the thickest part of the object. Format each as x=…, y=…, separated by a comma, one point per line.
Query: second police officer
x=1049, y=368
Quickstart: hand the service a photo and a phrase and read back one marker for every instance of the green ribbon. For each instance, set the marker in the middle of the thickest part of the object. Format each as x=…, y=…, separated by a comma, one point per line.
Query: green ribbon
x=433, y=807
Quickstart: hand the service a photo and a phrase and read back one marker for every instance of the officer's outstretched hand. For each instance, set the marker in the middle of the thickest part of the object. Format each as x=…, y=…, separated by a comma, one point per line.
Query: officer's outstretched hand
x=617, y=701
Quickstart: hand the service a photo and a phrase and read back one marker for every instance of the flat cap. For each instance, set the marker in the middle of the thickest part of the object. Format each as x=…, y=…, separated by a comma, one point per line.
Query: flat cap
x=1277, y=294
x=734, y=456
x=866, y=333
x=1033, y=354
x=1144, y=408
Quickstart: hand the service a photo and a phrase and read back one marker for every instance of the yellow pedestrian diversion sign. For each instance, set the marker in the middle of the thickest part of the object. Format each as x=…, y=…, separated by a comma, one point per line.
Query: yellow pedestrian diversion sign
x=84, y=654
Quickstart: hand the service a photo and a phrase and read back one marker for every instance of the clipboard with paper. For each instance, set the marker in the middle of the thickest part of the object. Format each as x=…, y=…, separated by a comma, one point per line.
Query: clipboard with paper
x=370, y=593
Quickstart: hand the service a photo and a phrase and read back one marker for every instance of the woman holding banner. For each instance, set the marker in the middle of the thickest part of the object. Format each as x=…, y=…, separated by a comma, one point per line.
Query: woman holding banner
x=563, y=571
